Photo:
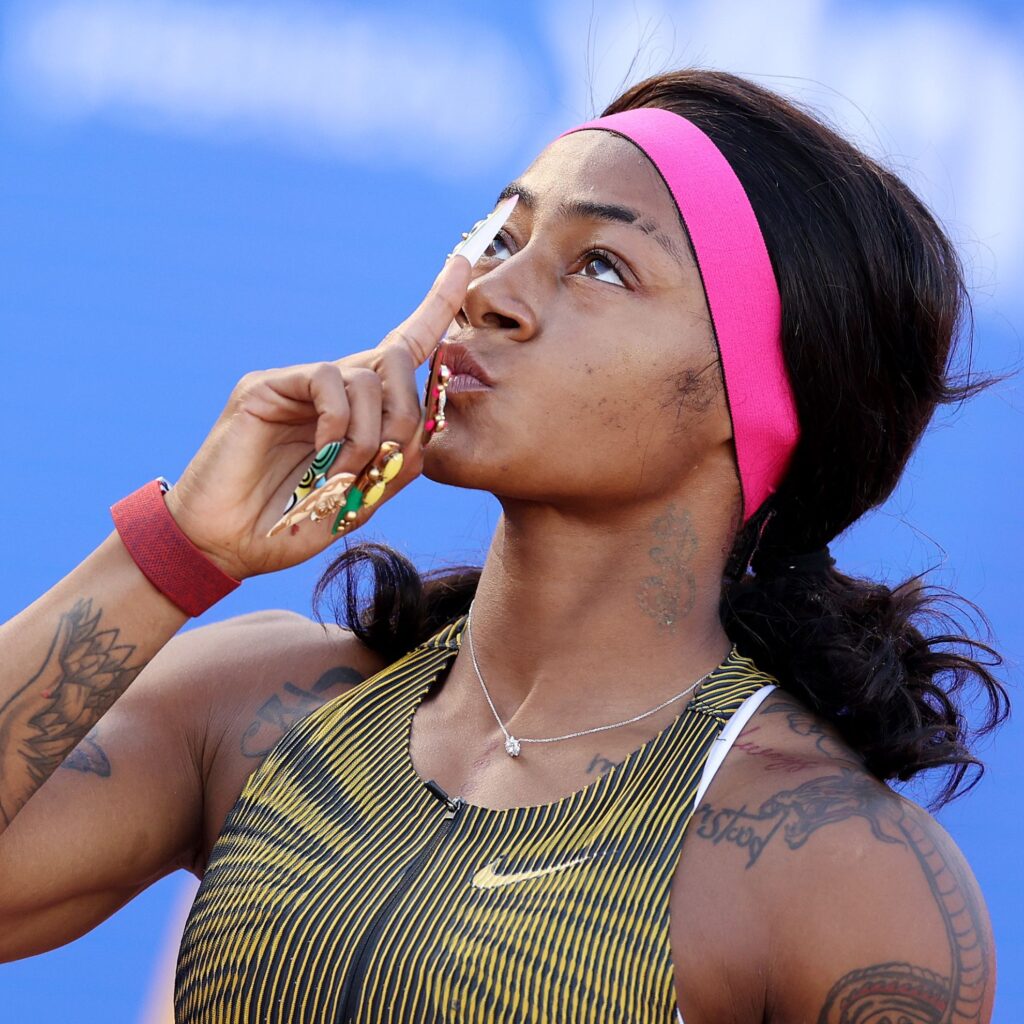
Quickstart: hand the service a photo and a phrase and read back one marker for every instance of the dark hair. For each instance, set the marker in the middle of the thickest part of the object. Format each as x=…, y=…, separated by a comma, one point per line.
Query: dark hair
x=873, y=299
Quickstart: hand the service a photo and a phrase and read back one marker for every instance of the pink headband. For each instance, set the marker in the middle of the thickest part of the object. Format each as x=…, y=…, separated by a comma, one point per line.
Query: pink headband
x=739, y=284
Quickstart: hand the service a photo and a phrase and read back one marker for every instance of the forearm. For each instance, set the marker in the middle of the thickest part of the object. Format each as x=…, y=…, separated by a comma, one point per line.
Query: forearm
x=67, y=658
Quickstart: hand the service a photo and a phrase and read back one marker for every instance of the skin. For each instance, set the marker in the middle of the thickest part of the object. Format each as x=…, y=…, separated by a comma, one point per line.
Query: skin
x=806, y=890
x=563, y=348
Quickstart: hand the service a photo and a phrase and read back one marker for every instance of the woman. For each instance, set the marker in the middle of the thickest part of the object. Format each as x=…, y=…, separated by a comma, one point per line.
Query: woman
x=634, y=769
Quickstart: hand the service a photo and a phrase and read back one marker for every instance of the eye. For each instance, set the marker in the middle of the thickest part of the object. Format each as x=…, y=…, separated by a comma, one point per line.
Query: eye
x=602, y=266
x=498, y=249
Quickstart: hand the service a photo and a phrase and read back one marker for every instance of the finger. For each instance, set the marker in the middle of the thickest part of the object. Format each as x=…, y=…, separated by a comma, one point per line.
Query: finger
x=374, y=485
x=330, y=396
x=362, y=439
x=401, y=412
x=316, y=397
x=423, y=330
x=312, y=394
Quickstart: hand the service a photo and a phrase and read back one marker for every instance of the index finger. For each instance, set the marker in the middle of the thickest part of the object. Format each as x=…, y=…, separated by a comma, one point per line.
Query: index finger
x=421, y=332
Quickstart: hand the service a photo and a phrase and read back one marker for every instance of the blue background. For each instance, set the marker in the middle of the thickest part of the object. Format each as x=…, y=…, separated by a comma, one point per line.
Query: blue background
x=190, y=191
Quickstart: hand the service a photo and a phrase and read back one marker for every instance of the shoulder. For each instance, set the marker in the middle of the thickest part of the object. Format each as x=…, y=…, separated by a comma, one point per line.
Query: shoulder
x=237, y=656
x=241, y=684
x=218, y=673
x=851, y=900
x=277, y=666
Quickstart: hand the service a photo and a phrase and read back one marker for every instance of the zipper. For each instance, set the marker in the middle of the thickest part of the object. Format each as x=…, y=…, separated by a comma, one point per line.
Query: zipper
x=353, y=982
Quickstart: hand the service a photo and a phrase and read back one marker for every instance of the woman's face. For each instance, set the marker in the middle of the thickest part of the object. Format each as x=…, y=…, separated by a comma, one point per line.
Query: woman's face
x=587, y=314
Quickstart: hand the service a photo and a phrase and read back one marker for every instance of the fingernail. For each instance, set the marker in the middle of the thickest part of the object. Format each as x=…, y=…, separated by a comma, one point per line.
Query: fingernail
x=435, y=397
x=476, y=240
x=318, y=504
x=369, y=488
x=322, y=462
x=348, y=512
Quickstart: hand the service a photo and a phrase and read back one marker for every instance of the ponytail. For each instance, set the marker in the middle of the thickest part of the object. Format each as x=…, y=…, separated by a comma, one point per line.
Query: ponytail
x=889, y=667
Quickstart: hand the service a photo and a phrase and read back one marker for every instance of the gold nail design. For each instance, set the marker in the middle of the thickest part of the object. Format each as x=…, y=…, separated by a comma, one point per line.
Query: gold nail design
x=320, y=504
x=435, y=397
x=370, y=486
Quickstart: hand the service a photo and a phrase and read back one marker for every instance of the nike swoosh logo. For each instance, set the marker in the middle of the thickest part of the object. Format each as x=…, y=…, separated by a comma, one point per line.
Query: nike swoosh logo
x=488, y=878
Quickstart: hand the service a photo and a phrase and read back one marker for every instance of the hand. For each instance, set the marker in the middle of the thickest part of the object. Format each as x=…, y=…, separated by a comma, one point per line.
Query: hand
x=237, y=485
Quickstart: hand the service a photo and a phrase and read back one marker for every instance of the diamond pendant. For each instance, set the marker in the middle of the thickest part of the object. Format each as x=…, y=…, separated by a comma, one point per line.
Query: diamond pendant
x=512, y=746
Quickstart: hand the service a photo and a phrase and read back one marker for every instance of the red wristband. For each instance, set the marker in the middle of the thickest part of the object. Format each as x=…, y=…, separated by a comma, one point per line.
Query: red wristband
x=169, y=560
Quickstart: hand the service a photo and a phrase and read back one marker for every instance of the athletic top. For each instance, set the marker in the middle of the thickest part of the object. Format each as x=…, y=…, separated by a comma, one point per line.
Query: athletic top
x=345, y=888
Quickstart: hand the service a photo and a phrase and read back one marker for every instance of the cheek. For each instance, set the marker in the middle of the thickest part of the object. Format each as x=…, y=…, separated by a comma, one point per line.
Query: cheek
x=694, y=396
x=634, y=397
x=589, y=398
x=642, y=421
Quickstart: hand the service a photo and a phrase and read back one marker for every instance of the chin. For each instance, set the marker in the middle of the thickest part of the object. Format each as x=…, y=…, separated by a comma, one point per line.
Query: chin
x=446, y=462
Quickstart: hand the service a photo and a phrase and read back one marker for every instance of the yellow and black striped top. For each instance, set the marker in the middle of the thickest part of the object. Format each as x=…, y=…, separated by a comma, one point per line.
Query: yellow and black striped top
x=343, y=888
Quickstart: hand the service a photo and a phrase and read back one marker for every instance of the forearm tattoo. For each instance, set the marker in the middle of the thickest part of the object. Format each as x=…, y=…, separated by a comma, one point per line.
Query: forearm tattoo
x=278, y=714
x=883, y=993
x=84, y=671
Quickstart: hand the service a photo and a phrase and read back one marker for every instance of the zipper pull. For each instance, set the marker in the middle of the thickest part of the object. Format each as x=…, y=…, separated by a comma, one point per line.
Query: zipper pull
x=454, y=806
x=438, y=792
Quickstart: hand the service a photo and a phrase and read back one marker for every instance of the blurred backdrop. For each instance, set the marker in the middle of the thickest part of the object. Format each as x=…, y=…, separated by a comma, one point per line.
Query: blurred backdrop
x=193, y=190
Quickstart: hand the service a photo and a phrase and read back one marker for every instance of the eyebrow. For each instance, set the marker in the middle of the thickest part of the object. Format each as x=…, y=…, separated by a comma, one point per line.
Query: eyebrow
x=585, y=209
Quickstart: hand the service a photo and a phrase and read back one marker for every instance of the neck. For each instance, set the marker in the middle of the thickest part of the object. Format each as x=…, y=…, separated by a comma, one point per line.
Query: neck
x=577, y=619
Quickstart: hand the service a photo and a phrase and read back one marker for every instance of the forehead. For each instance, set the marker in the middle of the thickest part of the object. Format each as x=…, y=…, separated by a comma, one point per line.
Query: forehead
x=603, y=167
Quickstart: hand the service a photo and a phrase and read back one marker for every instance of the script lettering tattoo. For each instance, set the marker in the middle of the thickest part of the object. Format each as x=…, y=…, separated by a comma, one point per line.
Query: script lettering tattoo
x=82, y=674
x=796, y=814
x=803, y=723
x=668, y=594
x=893, y=993
x=278, y=714
x=751, y=832
x=773, y=760
x=600, y=764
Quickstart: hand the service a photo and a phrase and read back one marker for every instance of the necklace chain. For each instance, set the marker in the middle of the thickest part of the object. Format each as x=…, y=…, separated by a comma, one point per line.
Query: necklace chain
x=512, y=742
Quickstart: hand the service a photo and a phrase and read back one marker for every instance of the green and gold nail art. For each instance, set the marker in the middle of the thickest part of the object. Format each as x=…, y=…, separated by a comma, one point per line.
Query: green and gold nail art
x=318, y=469
x=370, y=485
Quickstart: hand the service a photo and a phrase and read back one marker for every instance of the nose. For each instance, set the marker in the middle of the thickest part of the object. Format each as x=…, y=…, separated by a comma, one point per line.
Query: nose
x=495, y=299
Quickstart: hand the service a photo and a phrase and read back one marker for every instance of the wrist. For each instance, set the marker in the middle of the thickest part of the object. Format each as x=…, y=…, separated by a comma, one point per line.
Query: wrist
x=179, y=569
x=220, y=557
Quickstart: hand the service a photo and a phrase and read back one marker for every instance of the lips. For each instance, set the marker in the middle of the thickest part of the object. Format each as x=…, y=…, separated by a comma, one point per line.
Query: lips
x=467, y=373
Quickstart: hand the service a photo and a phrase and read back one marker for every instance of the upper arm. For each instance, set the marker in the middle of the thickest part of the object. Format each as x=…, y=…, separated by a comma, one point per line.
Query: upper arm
x=133, y=801
x=275, y=669
x=122, y=810
x=883, y=918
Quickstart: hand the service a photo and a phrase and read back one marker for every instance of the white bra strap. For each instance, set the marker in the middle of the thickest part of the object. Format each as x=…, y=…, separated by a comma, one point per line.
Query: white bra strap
x=725, y=739
x=723, y=742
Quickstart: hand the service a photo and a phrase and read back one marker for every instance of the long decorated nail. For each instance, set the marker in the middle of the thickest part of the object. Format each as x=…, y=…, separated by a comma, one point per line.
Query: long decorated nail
x=435, y=396
x=370, y=486
x=321, y=503
x=475, y=241
x=318, y=469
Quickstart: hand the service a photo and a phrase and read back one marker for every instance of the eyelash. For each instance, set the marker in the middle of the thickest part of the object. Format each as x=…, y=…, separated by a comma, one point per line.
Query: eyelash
x=603, y=254
x=610, y=258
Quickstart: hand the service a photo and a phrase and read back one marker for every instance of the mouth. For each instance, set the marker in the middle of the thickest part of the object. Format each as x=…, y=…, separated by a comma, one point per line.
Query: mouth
x=466, y=372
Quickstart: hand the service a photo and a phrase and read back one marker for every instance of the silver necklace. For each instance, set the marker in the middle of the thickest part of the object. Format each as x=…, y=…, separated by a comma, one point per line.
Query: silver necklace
x=512, y=743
